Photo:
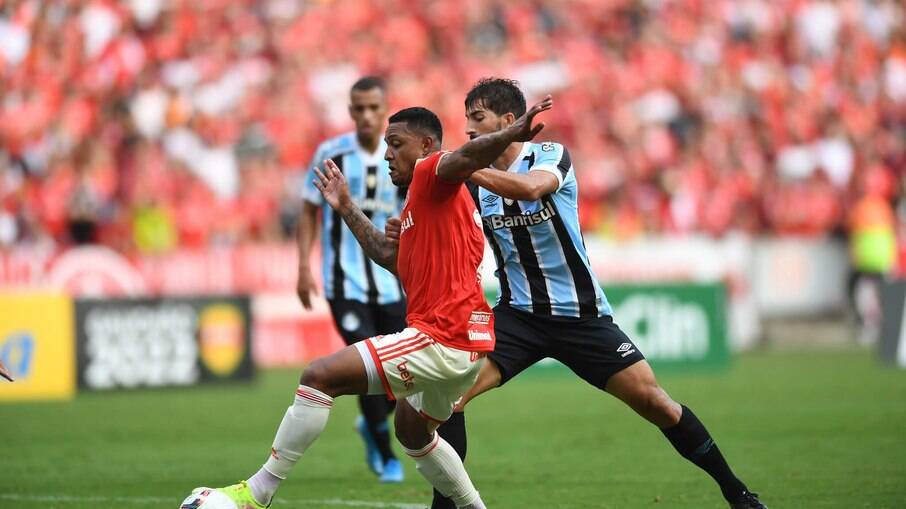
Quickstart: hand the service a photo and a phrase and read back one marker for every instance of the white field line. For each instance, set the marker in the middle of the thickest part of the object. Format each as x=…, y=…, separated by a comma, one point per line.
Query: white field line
x=63, y=499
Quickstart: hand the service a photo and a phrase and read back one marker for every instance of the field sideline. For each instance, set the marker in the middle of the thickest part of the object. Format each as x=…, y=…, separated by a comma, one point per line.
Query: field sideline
x=806, y=430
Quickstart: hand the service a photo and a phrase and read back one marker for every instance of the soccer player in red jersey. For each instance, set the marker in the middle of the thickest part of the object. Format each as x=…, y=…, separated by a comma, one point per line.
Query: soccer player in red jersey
x=429, y=365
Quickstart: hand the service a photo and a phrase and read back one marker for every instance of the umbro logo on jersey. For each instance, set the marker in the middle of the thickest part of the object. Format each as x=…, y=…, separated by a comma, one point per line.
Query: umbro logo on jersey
x=490, y=199
x=626, y=349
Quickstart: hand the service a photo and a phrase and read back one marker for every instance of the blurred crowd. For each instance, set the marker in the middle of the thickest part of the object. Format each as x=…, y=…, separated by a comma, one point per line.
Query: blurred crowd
x=148, y=125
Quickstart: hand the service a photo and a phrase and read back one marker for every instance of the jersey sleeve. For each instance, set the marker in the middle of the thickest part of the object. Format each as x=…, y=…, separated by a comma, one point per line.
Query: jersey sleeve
x=438, y=188
x=553, y=158
x=310, y=193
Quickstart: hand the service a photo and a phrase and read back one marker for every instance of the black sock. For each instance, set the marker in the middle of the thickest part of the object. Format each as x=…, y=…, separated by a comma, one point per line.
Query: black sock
x=690, y=438
x=454, y=432
x=374, y=408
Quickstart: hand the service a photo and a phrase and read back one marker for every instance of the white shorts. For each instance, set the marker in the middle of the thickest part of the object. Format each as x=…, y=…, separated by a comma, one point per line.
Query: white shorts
x=409, y=364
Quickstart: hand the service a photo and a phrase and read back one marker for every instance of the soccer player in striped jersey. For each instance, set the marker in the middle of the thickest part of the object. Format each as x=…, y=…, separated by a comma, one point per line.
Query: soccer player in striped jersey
x=550, y=303
x=365, y=299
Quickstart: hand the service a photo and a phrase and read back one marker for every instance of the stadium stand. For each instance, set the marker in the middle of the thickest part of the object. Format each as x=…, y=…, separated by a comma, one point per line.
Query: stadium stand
x=154, y=124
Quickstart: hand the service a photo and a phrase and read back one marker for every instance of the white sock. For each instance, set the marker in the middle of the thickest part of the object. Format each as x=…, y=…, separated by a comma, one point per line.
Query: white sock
x=302, y=424
x=263, y=485
x=441, y=466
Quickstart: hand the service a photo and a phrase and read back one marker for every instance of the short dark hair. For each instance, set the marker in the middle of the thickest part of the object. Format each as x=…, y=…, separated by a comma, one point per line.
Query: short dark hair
x=369, y=82
x=421, y=119
x=499, y=95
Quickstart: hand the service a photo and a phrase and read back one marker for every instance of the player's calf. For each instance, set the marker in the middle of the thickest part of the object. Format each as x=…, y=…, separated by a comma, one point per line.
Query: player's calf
x=637, y=387
x=435, y=459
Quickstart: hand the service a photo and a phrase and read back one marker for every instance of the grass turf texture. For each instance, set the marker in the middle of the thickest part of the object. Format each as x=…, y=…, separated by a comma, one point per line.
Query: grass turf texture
x=805, y=429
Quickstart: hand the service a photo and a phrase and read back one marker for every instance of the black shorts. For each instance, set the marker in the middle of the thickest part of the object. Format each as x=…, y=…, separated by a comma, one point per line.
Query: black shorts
x=594, y=348
x=356, y=320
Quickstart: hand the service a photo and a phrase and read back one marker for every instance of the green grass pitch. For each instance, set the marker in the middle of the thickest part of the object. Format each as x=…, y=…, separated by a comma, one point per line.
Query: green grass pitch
x=806, y=430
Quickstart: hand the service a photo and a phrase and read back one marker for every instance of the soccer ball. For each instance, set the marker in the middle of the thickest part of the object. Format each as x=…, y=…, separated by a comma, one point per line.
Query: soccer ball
x=207, y=498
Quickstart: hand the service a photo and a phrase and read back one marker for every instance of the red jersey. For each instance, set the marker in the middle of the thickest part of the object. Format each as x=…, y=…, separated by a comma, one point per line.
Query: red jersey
x=440, y=254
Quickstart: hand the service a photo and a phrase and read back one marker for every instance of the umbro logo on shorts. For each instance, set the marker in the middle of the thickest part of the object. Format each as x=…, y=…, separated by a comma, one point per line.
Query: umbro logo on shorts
x=626, y=349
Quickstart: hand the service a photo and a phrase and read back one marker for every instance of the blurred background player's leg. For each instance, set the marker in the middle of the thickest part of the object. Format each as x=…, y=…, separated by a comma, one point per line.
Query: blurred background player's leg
x=356, y=321
x=387, y=319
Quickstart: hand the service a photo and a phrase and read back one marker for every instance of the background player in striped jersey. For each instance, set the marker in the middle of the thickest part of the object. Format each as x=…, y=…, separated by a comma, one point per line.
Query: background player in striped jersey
x=550, y=303
x=429, y=365
x=365, y=299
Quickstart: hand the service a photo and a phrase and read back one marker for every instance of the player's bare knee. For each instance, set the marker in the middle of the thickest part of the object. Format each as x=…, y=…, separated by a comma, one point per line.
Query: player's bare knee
x=316, y=376
x=412, y=434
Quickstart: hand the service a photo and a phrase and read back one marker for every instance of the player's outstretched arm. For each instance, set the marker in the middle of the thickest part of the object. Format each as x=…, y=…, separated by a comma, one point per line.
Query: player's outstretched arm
x=479, y=153
x=529, y=186
x=376, y=245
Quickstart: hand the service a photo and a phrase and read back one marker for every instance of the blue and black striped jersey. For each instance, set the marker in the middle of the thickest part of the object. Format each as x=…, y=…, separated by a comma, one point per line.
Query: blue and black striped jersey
x=348, y=273
x=542, y=264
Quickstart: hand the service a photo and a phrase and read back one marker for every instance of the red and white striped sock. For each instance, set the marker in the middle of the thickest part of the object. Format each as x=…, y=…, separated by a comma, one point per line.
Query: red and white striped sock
x=302, y=424
x=441, y=466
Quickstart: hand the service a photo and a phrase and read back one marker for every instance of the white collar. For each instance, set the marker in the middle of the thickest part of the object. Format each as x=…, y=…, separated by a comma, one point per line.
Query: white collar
x=369, y=158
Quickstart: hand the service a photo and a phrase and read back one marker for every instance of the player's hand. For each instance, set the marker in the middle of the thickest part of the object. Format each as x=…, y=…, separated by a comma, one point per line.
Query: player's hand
x=306, y=287
x=522, y=128
x=4, y=373
x=393, y=228
x=333, y=186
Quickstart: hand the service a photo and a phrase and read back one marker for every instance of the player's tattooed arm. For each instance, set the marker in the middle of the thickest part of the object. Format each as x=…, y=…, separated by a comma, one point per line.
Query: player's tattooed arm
x=376, y=245
x=479, y=153
x=529, y=186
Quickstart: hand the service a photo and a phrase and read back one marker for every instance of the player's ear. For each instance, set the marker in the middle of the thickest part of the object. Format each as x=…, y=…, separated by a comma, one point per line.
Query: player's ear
x=509, y=118
x=427, y=145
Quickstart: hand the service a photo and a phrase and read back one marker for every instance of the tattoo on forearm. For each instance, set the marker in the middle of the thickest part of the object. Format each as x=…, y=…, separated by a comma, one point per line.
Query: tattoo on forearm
x=484, y=149
x=372, y=240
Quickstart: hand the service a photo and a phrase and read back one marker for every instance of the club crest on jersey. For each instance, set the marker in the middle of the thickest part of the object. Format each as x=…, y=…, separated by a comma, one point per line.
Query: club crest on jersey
x=407, y=223
x=498, y=221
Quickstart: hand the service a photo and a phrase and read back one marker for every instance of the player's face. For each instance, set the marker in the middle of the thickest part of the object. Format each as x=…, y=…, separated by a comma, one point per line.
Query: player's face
x=368, y=110
x=404, y=148
x=480, y=120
